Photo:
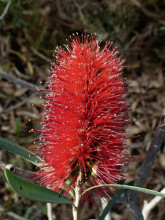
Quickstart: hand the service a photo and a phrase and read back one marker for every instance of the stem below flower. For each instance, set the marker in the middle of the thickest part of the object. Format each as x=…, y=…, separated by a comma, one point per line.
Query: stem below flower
x=77, y=195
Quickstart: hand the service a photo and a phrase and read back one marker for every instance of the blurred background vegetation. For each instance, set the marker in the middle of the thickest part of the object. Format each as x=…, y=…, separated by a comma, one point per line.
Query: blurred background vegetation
x=29, y=33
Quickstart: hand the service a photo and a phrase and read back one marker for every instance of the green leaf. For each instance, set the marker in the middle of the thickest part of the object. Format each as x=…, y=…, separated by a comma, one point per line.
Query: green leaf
x=110, y=204
x=135, y=188
x=4, y=96
x=22, y=21
x=71, y=192
x=33, y=191
x=21, y=151
x=18, y=127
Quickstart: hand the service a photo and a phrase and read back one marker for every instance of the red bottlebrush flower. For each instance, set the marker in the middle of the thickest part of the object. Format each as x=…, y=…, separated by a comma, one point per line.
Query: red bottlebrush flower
x=83, y=127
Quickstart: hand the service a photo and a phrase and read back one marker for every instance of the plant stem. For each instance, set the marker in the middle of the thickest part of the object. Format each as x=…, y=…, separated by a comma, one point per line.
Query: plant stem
x=77, y=195
x=49, y=211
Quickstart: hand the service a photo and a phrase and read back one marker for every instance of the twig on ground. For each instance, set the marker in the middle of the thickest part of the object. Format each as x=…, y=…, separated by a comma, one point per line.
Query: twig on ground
x=12, y=215
x=148, y=206
x=21, y=82
x=17, y=105
x=2, y=166
x=144, y=10
x=150, y=157
x=40, y=55
x=129, y=198
x=82, y=18
x=24, y=174
x=61, y=13
x=134, y=210
x=5, y=10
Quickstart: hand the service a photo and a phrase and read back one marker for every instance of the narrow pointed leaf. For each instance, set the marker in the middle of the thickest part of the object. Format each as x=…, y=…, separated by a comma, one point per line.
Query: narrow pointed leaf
x=110, y=204
x=135, y=188
x=21, y=151
x=34, y=192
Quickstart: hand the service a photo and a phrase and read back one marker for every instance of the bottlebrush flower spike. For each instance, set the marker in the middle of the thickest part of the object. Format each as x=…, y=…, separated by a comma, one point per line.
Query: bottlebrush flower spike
x=83, y=128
